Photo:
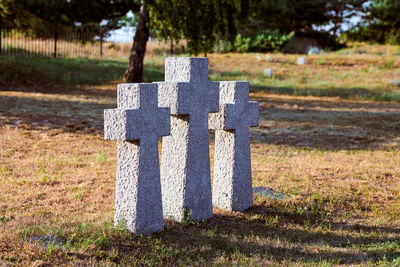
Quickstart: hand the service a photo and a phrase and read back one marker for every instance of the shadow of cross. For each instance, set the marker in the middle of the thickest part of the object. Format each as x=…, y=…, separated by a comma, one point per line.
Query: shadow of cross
x=136, y=124
x=232, y=185
x=185, y=161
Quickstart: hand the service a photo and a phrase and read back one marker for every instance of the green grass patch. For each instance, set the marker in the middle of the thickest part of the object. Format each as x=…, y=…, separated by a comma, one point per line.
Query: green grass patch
x=78, y=71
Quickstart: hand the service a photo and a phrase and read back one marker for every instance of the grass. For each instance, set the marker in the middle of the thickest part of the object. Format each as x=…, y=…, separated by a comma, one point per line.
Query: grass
x=348, y=74
x=336, y=157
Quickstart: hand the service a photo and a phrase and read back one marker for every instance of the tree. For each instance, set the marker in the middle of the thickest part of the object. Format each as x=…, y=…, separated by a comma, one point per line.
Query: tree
x=286, y=15
x=263, y=15
x=380, y=24
x=13, y=14
x=317, y=19
x=134, y=73
x=199, y=22
x=69, y=13
x=342, y=11
x=384, y=17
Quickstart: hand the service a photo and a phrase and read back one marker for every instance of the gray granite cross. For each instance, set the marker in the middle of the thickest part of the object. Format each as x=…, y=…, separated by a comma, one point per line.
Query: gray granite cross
x=232, y=185
x=185, y=161
x=136, y=124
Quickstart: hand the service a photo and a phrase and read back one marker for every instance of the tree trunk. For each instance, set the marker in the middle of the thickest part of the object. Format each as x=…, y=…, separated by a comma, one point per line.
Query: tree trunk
x=171, y=46
x=134, y=73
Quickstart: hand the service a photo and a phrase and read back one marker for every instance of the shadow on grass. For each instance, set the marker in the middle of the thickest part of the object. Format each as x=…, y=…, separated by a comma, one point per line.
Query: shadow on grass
x=221, y=75
x=345, y=93
x=295, y=238
x=327, y=124
x=67, y=75
x=35, y=113
x=229, y=235
x=306, y=124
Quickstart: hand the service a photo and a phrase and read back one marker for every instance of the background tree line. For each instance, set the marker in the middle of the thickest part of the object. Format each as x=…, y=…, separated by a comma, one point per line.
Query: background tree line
x=223, y=25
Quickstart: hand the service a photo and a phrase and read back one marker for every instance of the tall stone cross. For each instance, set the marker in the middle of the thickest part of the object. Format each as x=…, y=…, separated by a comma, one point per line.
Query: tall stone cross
x=232, y=184
x=136, y=124
x=185, y=161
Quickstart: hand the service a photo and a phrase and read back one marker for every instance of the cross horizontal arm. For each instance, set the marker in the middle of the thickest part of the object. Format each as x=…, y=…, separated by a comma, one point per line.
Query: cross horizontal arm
x=135, y=124
x=233, y=116
x=187, y=98
x=253, y=114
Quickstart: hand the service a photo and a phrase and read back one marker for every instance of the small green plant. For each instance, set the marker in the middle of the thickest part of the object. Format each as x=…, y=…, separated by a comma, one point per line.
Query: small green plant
x=301, y=211
x=80, y=191
x=101, y=157
x=46, y=177
x=187, y=216
x=320, y=61
x=4, y=218
x=272, y=221
x=162, y=252
x=389, y=63
x=393, y=37
x=49, y=249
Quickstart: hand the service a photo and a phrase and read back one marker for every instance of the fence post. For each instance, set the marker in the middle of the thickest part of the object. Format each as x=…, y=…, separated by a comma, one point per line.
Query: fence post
x=55, y=42
x=101, y=42
x=1, y=33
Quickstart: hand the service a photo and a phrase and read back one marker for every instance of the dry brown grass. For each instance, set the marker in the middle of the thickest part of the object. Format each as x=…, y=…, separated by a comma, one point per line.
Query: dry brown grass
x=338, y=160
x=321, y=71
x=358, y=73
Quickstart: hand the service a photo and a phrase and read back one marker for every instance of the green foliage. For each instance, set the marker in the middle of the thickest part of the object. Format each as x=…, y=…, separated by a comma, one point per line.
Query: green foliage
x=186, y=216
x=242, y=44
x=200, y=23
x=342, y=11
x=266, y=41
x=381, y=25
x=270, y=41
x=55, y=14
x=13, y=14
x=286, y=15
x=313, y=19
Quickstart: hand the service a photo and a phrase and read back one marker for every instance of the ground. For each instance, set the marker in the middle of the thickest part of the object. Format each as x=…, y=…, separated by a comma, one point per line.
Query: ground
x=326, y=138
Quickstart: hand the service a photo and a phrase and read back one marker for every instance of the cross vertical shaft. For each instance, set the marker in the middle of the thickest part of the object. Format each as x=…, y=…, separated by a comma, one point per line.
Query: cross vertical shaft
x=138, y=188
x=232, y=184
x=136, y=125
x=185, y=162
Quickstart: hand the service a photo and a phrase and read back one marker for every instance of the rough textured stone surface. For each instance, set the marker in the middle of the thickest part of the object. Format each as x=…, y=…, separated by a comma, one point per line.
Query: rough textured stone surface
x=185, y=161
x=232, y=185
x=268, y=73
x=136, y=124
x=301, y=61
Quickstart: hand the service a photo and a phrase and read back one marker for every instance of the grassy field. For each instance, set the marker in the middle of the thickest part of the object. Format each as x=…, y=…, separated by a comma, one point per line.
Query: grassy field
x=326, y=138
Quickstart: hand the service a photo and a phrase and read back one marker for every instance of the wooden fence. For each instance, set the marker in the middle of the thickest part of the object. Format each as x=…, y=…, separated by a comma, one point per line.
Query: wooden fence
x=60, y=42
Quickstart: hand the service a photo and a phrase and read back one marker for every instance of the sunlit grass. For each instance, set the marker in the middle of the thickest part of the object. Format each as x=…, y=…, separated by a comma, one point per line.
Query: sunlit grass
x=337, y=159
x=345, y=74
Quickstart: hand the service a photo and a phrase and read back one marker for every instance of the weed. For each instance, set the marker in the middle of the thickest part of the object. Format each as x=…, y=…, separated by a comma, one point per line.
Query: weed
x=187, y=217
x=272, y=221
x=101, y=157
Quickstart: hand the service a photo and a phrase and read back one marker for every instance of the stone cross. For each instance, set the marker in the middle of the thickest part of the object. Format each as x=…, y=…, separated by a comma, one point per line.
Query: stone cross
x=136, y=124
x=232, y=185
x=185, y=161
